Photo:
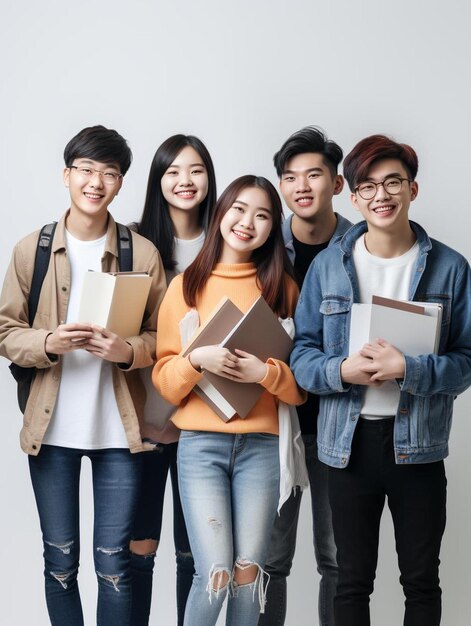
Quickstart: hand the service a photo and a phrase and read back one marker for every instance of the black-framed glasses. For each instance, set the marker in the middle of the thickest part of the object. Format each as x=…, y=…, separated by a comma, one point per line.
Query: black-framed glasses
x=392, y=185
x=107, y=176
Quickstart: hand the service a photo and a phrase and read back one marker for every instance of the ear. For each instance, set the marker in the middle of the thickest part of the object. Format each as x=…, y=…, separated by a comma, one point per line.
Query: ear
x=338, y=184
x=414, y=190
x=354, y=201
x=119, y=185
x=66, y=175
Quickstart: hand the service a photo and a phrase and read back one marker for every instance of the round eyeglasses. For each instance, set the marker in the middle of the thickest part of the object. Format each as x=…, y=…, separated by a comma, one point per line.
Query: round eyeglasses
x=392, y=185
x=107, y=176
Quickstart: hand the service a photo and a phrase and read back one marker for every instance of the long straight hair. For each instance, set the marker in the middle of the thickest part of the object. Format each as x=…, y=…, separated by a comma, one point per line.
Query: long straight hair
x=156, y=223
x=271, y=261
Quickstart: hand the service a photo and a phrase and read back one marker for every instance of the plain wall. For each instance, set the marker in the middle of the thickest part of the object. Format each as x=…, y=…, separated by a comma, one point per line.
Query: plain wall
x=242, y=76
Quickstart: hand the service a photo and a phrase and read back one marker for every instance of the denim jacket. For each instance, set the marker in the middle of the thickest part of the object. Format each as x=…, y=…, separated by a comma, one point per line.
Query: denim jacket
x=431, y=381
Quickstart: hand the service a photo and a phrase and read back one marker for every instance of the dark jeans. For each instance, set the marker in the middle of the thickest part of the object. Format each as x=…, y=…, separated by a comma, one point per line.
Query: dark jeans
x=148, y=524
x=55, y=474
x=417, y=500
x=283, y=544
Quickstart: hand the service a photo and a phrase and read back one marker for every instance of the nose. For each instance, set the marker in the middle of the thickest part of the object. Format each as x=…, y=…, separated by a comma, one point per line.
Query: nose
x=381, y=192
x=302, y=184
x=96, y=179
x=246, y=221
x=185, y=179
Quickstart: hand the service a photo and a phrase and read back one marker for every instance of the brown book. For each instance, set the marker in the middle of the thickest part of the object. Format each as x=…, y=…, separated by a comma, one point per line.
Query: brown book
x=221, y=321
x=258, y=332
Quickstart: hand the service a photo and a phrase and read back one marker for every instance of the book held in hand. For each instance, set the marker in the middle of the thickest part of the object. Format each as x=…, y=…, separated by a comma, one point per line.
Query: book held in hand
x=257, y=332
x=412, y=327
x=115, y=300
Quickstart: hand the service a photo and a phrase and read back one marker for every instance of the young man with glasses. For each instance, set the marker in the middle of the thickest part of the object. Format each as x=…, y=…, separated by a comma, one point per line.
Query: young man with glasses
x=306, y=165
x=384, y=416
x=86, y=394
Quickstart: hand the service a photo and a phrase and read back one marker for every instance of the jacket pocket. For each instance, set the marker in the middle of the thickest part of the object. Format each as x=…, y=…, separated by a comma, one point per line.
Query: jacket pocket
x=336, y=315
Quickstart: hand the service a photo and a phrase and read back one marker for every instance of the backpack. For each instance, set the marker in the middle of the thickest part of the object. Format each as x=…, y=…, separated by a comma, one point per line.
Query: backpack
x=24, y=376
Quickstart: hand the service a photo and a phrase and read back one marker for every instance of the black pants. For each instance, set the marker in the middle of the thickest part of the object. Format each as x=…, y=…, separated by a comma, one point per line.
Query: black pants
x=417, y=501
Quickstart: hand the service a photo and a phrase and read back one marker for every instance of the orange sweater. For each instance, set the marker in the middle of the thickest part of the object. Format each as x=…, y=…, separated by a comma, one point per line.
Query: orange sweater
x=175, y=377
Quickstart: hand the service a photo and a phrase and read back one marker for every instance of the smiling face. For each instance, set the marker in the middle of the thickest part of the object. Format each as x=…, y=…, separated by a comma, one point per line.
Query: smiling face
x=246, y=225
x=185, y=182
x=307, y=186
x=386, y=211
x=89, y=195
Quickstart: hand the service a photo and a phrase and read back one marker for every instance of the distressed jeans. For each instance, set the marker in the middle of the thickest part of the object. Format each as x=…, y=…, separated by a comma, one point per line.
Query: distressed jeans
x=229, y=486
x=283, y=545
x=55, y=474
x=156, y=465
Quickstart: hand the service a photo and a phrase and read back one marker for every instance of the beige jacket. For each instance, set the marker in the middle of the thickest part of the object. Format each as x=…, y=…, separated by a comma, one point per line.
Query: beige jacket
x=25, y=345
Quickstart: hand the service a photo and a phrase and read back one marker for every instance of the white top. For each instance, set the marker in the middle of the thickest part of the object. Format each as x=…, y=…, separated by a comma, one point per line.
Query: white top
x=389, y=278
x=185, y=251
x=86, y=415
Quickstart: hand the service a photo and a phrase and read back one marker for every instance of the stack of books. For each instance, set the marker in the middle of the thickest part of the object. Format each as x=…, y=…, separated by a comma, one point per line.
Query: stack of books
x=257, y=332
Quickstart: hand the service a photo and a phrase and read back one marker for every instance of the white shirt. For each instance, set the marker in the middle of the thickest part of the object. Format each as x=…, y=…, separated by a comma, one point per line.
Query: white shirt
x=86, y=415
x=389, y=278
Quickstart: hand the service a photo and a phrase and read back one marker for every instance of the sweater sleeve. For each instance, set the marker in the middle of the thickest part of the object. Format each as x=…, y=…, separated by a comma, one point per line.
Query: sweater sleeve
x=173, y=376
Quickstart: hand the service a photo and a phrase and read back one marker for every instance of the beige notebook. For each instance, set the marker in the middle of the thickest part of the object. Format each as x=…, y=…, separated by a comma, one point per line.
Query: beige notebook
x=115, y=300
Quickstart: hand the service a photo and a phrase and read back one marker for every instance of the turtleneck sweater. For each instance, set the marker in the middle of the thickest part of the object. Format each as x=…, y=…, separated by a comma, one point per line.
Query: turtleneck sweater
x=175, y=377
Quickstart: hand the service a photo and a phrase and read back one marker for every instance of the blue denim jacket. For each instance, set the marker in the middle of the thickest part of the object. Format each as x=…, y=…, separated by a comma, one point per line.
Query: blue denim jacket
x=431, y=381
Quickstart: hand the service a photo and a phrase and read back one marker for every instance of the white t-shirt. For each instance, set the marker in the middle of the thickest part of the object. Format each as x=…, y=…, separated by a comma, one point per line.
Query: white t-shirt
x=185, y=251
x=86, y=415
x=389, y=278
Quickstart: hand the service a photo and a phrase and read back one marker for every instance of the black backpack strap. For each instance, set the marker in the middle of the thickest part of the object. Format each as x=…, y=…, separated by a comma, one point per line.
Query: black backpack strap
x=124, y=248
x=41, y=263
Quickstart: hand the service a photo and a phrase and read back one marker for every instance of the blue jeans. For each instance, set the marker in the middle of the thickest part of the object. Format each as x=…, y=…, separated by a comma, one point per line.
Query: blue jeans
x=147, y=525
x=416, y=495
x=283, y=545
x=55, y=474
x=229, y=485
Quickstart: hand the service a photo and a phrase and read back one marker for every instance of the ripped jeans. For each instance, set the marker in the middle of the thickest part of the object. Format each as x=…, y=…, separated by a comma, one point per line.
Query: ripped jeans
x=229, y=487
x=55, y=474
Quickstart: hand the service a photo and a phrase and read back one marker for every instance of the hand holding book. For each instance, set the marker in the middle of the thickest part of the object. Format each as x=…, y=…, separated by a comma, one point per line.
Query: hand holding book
x=385, y=361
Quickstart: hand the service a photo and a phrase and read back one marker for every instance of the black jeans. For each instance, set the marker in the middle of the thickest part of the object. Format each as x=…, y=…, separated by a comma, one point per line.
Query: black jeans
x=283, y=545
x=147, y=525
x=417, y=501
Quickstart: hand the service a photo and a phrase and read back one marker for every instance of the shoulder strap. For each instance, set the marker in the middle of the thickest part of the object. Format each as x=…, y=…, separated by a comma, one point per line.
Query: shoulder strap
x=41, y=263
x=124, y=248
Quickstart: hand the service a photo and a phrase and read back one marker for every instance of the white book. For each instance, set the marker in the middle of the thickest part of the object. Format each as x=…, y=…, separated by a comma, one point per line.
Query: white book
x=412, y=327
x=115, y=300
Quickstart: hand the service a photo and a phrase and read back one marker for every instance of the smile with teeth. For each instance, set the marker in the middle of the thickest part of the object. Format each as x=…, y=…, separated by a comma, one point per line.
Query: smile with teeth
x=186, y=194
x=92, y=196
x=304, y=201
x=241, y=235
x=384, y=209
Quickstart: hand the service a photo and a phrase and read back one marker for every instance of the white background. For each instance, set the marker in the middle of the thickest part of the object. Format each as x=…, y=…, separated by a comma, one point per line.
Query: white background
x=242, y=76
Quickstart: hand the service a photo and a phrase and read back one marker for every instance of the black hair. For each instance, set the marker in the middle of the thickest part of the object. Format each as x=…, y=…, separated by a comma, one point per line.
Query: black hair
x=100, y=144
x=309, y=139
x=156, y=223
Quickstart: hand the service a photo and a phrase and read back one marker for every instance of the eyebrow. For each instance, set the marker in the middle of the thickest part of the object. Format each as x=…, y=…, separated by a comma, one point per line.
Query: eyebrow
x=372, y=180
x=260, y=208
x=107, y=165
x=191, y=165
x=311, y=169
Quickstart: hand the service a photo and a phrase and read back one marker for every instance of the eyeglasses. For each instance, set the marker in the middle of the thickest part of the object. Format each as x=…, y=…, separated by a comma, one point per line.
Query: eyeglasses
x=108, y=177
x=391, y=185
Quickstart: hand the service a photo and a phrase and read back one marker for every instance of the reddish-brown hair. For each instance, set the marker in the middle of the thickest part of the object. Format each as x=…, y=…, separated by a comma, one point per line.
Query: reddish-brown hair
x=271, y=260
x=375, y=148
